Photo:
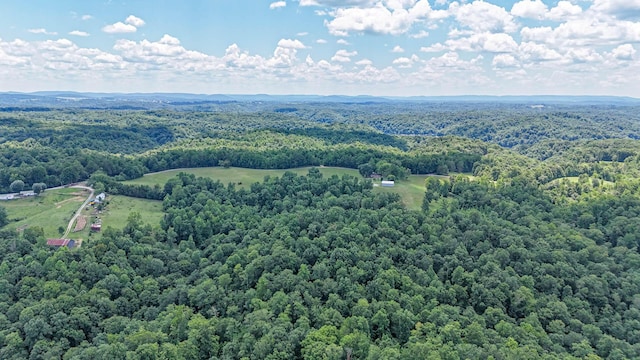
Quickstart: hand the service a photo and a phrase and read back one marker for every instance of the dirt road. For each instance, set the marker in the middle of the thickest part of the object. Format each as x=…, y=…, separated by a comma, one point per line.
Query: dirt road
x=79, y=211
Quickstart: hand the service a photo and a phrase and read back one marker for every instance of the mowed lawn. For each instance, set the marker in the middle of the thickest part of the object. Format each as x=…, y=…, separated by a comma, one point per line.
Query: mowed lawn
x=411, y=190
x=49, y=210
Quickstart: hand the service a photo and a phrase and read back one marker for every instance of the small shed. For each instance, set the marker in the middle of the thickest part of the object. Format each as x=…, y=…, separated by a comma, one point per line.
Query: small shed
x=387, y=183
x=96, y=227
x=61, y=242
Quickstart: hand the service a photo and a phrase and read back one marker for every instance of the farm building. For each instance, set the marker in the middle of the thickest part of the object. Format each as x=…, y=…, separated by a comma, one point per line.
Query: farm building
x=387, y=183
x=96, y=227
x=100, y=198
x=375, y=176
x=61, y=242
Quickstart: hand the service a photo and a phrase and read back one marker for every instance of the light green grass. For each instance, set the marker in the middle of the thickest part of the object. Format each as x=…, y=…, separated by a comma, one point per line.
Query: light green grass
x=53, y=209
x=117, y=212
x=241, y=176
x=49, y=210
x=575, y=179
x=120, y=207
x=411, y=190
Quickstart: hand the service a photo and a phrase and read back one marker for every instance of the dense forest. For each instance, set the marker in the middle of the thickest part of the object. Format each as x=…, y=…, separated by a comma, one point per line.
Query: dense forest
x=527, y=250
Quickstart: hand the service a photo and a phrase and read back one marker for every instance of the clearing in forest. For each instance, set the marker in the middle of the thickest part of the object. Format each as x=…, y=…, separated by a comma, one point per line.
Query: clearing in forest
x=411, y=190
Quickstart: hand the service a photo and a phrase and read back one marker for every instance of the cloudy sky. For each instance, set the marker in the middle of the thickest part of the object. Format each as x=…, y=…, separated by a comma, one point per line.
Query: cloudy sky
x=375, y=47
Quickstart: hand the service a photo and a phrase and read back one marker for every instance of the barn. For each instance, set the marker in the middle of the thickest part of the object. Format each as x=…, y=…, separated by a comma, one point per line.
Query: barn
x=61, y=242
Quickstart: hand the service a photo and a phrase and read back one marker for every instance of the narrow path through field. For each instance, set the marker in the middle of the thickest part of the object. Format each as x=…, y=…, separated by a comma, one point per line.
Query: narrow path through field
x=75, y=216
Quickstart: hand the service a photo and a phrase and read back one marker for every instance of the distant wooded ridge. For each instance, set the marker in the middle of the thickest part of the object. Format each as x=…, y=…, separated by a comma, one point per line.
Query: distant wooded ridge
x=146, y=100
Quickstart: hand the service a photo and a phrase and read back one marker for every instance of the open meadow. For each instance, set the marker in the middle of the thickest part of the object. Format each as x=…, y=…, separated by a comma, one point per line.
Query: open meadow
x=49, y=210
x=411, y=190
x=117, y=211
x=53, y=209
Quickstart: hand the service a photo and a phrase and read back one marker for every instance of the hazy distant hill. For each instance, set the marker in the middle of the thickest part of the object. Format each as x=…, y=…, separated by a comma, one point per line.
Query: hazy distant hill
x=58, y=99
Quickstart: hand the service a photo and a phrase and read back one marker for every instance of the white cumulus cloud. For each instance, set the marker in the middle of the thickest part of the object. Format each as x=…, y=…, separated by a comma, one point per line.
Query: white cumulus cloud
x=534, y=9
x=437, y=47
x=277, y=5
x=135, y=21
x=364, y=62
x=42, y=31
x=490, y=42
x=397, y=49
x=538, y=52
x=563, y=11
x=624, y=52
x=343, y=55
x=289, y=43
x=504, y=61
x=623, y=9
x=385, y=17
x=130, y=25
x=420, y=34
x=405, y=62
x=79, y=33
x=482, y=16
x=119, y=28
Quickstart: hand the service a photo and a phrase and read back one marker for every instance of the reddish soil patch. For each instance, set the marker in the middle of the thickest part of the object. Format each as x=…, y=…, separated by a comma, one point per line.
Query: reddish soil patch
x=80, y=224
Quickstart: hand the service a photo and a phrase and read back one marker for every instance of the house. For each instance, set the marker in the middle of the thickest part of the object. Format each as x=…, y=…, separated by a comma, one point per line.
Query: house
x=61, y=242
x=375, y=176
x=100, y=198
x=96, y=227
x=387, y=183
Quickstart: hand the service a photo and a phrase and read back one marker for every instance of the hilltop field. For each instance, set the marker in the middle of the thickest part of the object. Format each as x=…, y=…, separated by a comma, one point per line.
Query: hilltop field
x=411, y=190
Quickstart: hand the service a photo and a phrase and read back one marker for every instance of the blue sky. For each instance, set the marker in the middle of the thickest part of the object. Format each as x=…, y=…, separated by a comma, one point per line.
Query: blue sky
x=352, y=47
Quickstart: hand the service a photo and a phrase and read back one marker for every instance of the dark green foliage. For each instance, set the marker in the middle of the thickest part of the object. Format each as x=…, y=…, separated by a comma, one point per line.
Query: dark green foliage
x=16, y=186
x=510, y=265
x=38, y=187
x=4, y=219
x=312, y=267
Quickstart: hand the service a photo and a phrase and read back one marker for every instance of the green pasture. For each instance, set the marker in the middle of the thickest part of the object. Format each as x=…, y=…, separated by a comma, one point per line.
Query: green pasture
x=411, y=190
x=117, y=211
x=576, y=179
x=54, y=208
x=49, y=210
x=120, y=207
x=241, y=176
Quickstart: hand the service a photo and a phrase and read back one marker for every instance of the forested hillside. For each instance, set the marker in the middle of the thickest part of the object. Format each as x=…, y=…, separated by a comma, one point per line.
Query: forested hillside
x=527, y=250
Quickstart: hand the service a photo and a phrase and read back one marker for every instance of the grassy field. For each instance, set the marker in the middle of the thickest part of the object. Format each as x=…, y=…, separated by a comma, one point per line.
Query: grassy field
x=241, y=176
x=53, y=209
x=575, y=179
x=120, y=207
x=117, y=212
x=411, y=190
x=49, y=210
